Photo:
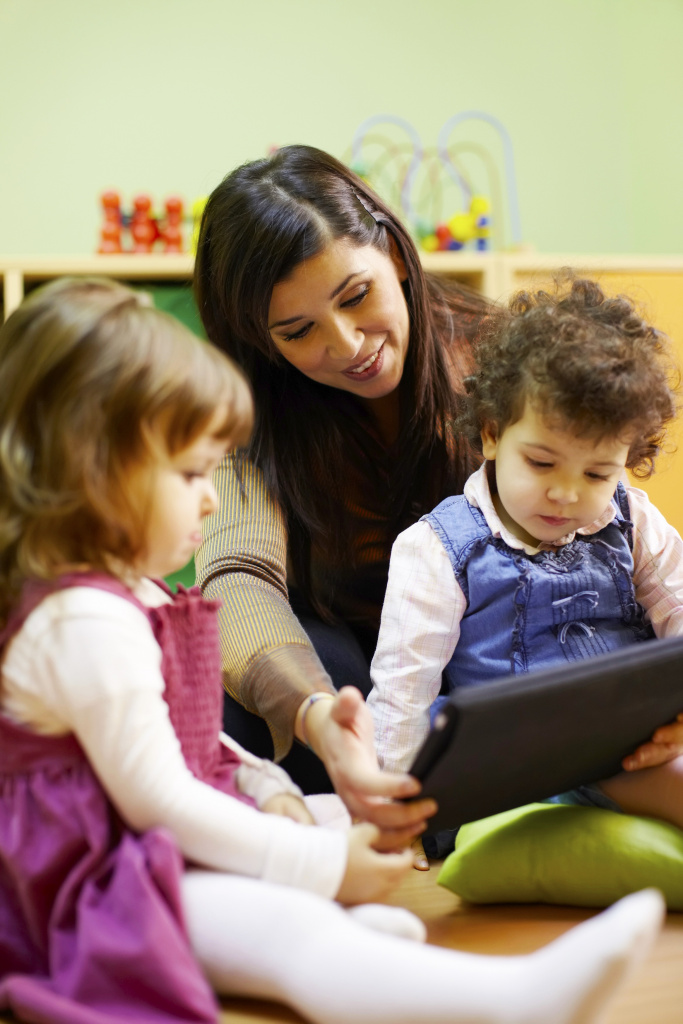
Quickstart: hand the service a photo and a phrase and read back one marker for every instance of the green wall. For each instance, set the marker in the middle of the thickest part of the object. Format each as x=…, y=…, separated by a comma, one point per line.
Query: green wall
x=167, y=95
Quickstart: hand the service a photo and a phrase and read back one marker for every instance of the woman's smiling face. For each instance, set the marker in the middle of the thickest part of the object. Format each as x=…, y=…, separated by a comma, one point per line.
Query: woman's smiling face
x=341, y=318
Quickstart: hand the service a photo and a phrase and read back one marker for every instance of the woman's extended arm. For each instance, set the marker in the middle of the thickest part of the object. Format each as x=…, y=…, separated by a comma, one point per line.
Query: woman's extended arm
x=269, y=664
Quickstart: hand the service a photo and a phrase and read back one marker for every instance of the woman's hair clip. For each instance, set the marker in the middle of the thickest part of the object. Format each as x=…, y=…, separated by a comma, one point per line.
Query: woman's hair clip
x=365, y=203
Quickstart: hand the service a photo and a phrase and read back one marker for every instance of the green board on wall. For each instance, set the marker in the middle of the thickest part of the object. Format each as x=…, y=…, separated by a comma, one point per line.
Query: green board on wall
x=184, y=576
x=179, y=301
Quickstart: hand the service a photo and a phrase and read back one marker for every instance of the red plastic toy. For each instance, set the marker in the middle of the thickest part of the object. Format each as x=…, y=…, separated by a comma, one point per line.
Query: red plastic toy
x=172, y=234
x=141, y=228
x=110, y=234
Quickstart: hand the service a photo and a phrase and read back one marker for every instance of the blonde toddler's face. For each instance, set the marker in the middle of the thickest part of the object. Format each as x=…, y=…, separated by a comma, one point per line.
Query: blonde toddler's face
x=182, y=494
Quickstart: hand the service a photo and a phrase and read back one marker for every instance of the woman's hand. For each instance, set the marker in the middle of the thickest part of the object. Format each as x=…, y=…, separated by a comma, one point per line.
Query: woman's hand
x=665, y=745
x=371, y=875
x=341, y=732
x=289, y=806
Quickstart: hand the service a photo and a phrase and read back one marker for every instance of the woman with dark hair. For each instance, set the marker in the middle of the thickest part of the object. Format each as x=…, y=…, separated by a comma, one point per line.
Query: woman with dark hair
x=356, y=359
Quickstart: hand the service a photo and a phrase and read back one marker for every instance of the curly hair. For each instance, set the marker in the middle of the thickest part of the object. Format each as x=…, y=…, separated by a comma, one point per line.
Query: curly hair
x=96, y=383
x=583, y=359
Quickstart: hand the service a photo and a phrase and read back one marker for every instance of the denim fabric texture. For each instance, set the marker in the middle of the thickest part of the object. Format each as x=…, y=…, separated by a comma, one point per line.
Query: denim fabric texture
x=530, y=612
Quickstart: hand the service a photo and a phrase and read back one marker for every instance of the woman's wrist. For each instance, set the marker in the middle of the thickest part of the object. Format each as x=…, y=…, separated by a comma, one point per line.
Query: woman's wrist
x=310, y=712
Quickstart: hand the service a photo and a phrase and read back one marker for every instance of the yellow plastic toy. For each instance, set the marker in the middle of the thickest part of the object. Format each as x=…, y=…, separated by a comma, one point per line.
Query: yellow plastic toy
x=197, y=211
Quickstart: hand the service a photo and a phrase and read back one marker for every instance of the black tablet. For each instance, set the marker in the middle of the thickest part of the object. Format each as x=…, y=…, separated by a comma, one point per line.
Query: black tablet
x=524, y=738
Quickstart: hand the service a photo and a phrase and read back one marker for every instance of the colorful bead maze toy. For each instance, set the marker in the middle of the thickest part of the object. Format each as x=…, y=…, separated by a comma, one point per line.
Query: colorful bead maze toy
x=419, y=182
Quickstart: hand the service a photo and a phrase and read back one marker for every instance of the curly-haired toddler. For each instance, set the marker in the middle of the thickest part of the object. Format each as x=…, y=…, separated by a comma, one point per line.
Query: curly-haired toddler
x=548, y=555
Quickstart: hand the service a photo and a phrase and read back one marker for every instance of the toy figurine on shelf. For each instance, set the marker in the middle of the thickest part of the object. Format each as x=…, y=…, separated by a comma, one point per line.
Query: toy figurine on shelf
x=172, y=233
x=141, y=227
x=110, y=233
x=144, y=229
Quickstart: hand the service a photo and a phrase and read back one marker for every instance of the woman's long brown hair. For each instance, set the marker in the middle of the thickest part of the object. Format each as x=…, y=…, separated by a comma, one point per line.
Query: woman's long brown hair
x=261, y=222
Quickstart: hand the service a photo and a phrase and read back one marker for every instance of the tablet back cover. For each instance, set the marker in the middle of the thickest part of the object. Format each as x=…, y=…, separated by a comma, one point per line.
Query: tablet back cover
x=528, y=737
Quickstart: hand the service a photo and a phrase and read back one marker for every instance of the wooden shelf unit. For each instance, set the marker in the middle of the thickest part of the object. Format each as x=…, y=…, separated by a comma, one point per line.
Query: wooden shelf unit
x=495, y=275
x=18, y=274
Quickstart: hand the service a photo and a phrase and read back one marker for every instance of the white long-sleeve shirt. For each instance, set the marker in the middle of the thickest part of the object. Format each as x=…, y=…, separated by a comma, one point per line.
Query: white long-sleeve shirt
x=86, y=662
x=424, y=605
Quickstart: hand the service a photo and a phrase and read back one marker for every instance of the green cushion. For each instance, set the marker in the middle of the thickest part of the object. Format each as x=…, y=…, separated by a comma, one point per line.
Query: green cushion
x=555, y=853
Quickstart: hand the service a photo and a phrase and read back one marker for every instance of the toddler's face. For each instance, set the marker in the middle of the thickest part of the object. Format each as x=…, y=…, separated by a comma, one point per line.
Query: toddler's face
x=549, y=481
x=182, y=495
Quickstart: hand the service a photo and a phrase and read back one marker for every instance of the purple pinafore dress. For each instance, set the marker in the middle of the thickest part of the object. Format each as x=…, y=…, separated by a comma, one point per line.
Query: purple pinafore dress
x=91, y=920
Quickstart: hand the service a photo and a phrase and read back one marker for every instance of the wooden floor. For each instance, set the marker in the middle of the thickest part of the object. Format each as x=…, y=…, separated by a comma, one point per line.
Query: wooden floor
x=653, y=996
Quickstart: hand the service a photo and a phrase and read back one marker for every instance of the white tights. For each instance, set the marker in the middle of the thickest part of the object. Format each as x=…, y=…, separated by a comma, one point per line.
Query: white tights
x=257, y=939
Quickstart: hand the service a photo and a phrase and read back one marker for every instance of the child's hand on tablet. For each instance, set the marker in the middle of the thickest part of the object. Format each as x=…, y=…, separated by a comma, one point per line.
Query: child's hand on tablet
x=665, y=745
